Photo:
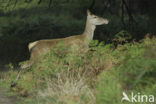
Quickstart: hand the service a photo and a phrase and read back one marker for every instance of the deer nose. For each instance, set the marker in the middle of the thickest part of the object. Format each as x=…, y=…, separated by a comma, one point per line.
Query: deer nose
x=106, y=21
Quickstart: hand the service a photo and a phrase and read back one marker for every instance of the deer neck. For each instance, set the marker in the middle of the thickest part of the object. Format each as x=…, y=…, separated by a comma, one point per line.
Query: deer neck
x=89, y=31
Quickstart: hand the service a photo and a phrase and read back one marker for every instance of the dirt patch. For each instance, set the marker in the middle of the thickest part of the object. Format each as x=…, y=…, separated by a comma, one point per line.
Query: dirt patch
x=4, y=99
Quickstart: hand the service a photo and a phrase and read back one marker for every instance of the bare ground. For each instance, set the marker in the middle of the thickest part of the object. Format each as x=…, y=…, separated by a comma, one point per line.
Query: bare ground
x=4, y=99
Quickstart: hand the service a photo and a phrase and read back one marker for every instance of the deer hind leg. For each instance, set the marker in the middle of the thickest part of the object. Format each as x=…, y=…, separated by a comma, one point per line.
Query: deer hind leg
x=26, y=65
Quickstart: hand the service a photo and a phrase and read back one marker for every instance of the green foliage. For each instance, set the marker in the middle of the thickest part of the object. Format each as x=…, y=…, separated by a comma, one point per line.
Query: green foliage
x=123, y=35
x=99, y=75
x=103, y=71
x=108, y=89
x=133, y=72
x=17, y=31
x=27, y=21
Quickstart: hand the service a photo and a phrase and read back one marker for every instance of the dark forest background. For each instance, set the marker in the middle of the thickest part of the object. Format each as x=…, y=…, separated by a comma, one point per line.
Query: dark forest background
x=121, y=58
x=24, y=21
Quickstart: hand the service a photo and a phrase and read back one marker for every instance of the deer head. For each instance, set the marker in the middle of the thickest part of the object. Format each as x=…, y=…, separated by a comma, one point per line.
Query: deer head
x=96, y=20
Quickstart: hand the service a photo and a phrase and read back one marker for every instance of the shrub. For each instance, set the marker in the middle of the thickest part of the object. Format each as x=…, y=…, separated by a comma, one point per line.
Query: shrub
x=133, y=72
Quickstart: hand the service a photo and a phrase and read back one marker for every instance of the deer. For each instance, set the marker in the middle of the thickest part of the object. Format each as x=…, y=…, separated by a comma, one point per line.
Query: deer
x=40, y=47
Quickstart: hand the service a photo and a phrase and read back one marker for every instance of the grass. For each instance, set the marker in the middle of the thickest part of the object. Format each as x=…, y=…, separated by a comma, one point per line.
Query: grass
x=68, y=89
x=98, y=76
x=133, y=72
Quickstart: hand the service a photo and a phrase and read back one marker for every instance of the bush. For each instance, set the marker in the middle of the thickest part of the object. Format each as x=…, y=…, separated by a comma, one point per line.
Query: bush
x=133, y=72
x=99, y=75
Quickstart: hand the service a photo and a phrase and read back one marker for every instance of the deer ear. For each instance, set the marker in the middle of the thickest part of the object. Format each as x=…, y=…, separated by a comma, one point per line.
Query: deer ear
x=88, y=12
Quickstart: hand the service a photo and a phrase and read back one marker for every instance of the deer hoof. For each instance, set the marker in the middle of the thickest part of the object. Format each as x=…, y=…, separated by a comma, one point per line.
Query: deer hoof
x=13, y=85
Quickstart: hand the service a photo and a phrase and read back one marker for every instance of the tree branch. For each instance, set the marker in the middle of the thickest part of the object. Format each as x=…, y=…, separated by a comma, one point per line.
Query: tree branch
x=92, y=4
x=50, y=2
x=122, y=13
x=15, y=3
x=8, y=3
x=131, y=19
x=39, y=1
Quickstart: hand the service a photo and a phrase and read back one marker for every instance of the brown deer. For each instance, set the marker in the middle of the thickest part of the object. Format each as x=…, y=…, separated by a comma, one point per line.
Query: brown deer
x=41, y=47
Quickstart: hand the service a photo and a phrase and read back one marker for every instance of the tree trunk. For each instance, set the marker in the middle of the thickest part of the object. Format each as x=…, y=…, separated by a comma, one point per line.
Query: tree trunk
x=152, y=16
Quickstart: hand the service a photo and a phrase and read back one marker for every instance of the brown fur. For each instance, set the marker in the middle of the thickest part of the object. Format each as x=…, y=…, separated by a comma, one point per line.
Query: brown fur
x=41, y=47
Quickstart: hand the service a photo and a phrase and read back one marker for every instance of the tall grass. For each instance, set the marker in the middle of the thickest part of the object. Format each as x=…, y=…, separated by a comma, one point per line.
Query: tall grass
x=98, y=75
x=134, y=72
